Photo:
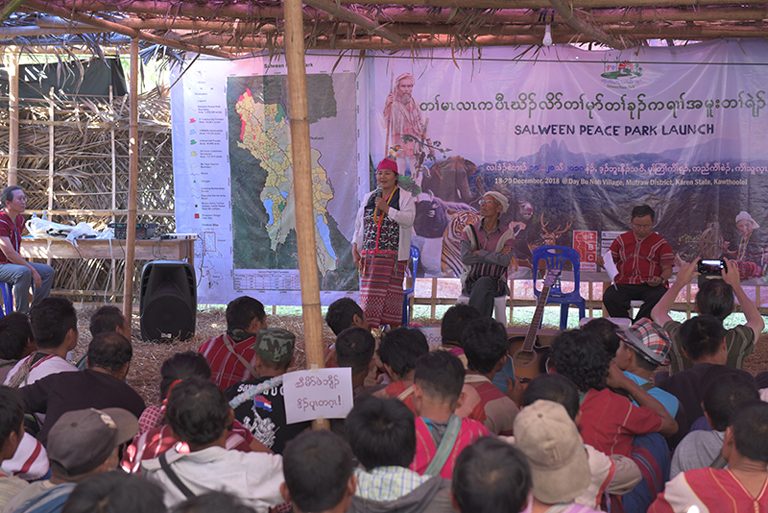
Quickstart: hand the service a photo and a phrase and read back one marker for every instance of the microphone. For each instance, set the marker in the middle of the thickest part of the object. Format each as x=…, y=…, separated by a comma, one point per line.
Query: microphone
x=378, y=192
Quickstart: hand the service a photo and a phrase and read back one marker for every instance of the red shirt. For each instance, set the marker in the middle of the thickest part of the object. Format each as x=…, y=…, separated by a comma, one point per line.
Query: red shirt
x=638, y=261
x=12, y=230
x=394, y=389
x=609, y=421
x=226, y=368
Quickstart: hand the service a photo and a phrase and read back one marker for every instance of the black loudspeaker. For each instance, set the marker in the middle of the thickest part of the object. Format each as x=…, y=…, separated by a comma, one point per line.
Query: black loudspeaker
x=168, y=303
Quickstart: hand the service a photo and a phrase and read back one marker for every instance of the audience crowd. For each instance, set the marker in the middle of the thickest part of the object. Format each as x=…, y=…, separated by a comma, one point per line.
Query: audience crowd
x=657, y=417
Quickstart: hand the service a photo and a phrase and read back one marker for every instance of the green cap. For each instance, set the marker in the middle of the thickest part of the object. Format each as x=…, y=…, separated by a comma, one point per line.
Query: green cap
x=275, y=345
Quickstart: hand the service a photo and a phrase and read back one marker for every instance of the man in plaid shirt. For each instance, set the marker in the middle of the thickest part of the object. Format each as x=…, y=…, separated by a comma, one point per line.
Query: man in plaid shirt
x=644, y=260
x=231, y=355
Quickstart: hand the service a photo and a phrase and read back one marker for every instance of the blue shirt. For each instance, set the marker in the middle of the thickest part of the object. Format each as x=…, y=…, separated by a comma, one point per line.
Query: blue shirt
x=669, y=401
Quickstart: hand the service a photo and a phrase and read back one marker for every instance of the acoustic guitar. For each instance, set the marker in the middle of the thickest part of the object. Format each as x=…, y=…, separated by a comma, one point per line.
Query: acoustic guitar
x=529, y=357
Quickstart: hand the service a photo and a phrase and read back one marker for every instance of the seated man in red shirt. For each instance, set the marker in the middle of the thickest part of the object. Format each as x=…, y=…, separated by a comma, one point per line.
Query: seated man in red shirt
x=398, y=352
x=14, y=268
x=644, y=260
x=231, y=355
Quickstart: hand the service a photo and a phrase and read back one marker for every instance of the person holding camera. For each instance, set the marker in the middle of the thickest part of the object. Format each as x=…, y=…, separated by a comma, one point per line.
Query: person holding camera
x=715, y=297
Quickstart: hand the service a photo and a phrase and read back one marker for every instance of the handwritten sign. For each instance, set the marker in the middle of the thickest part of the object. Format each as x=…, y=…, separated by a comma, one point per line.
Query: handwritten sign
x=318, y=393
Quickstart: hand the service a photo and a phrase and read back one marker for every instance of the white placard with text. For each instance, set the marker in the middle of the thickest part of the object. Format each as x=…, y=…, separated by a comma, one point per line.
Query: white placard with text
x=318, y=393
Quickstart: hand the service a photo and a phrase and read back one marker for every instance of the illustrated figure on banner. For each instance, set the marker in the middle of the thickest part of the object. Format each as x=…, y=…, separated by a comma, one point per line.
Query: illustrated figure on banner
x=746, y=249
x=406, y=129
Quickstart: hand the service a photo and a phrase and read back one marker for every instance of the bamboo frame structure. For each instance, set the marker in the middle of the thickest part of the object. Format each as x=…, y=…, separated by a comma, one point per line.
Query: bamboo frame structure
x=133, y=177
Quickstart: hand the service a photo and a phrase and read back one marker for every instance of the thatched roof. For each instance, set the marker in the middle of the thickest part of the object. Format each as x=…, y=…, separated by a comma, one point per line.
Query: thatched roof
x=235, y=28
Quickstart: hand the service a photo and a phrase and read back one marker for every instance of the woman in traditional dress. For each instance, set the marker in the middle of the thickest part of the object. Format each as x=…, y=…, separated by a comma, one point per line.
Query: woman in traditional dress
x=382, y=245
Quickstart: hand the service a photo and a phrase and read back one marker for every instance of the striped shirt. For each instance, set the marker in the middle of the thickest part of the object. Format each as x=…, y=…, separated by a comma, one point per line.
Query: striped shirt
x=226, y=368
x=639, y=261
x=710, y=490
x=387, y=483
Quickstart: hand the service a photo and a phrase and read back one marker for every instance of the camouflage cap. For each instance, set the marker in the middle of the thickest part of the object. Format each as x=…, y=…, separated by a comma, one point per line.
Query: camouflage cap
x=275, y=345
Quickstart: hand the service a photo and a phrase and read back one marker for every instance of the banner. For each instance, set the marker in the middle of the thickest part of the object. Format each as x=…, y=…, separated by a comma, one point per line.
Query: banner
x=575, y=139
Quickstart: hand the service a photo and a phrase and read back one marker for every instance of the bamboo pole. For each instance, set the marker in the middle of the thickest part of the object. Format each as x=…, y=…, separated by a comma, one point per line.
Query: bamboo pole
x=302, y=188
x=341, y=13
x=51, y=155
x=133, y=175
x=12, y=68
x=113, y=117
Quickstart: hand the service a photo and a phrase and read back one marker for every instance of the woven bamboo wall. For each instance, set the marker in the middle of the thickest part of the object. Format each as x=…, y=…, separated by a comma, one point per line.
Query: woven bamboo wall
x=85, y=131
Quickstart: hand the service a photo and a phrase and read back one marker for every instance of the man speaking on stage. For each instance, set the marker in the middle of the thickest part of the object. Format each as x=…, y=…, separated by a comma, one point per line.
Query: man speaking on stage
x=644, y=260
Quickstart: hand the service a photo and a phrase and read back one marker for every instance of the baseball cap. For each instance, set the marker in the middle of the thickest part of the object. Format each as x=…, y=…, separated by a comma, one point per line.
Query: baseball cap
x=275, y=345
x=81, y=440
x=555, y=451
x=649, y=339
x=503, y=201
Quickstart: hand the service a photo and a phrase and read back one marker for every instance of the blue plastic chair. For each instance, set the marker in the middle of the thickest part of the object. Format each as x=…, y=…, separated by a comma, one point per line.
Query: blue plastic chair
x=556, y=257
x=6, y=290
x=408, y=293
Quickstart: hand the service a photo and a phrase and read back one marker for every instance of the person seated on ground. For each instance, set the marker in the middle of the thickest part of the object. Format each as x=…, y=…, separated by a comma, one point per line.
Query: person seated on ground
x=715, y=297
x=115, y=492
x=559, y=466
x=485, y=345
x=101, y=385
x=199, y=415
x=11, y=433
x=721, y=400
x=703, y=341
x=609, y=421
x=644, y=261
x=606, y=331
x=491, y=476
x=486, y=252
x=16, y=341
x=107, y=319
x=440, y=434
x=452, y=324
x=14, y=268
x=398, y=352
x=155, y=436
x=342, y=314
x=212, y=502
x=354, y=349
x=231, y=354
x=742, y=487
x=644, y=347
x=54, y=328
x=259, y=403
x=615, y=475
x=318, y=468
x=81, y=444
x=383, y=439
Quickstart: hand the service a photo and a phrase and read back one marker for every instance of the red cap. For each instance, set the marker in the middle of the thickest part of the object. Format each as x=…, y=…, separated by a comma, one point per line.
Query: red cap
x=389, y=164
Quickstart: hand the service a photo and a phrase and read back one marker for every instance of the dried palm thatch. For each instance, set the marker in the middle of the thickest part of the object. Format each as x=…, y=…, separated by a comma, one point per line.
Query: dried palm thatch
x=85, y=131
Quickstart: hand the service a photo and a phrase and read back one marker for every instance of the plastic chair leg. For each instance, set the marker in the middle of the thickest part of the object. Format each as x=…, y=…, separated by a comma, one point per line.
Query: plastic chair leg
x=582, y=311
x=564, y=316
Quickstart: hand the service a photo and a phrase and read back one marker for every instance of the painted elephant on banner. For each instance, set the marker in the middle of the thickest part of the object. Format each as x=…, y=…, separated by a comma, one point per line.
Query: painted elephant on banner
x=449, y=179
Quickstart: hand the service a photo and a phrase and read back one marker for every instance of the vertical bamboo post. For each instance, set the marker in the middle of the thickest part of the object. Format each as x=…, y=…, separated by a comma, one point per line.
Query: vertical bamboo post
x=113, y=119
x=12, y=67
x=133, y=175
x=302, y=186
x=51, y=154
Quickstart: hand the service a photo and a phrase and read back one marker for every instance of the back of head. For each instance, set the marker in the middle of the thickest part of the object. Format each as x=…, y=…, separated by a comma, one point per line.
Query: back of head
x=242, y=311
x=182, y=366
x=354, y=348
x=642, y=211
x=491, y=476
x=106, y=319
x=11, y=412
x=606, y=332
x=750, y=431
x=455, y=320
x=317, y=466
x=440, y=374
x=274, y=346
x=213, y=502
x=715, y=297
x=701, y=336
x=556, y=388
x=485, y=343
x=115, y=492
x=15, y=335
x=581, y=357
x=197, y=411
x=341, y=313
x=725, y=397
x=109, y=350
x=401, y=347
x=51, y=320
x=381, y=433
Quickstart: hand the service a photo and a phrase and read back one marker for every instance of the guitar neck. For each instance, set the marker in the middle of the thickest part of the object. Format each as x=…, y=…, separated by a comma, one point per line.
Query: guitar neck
x=538, y=315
